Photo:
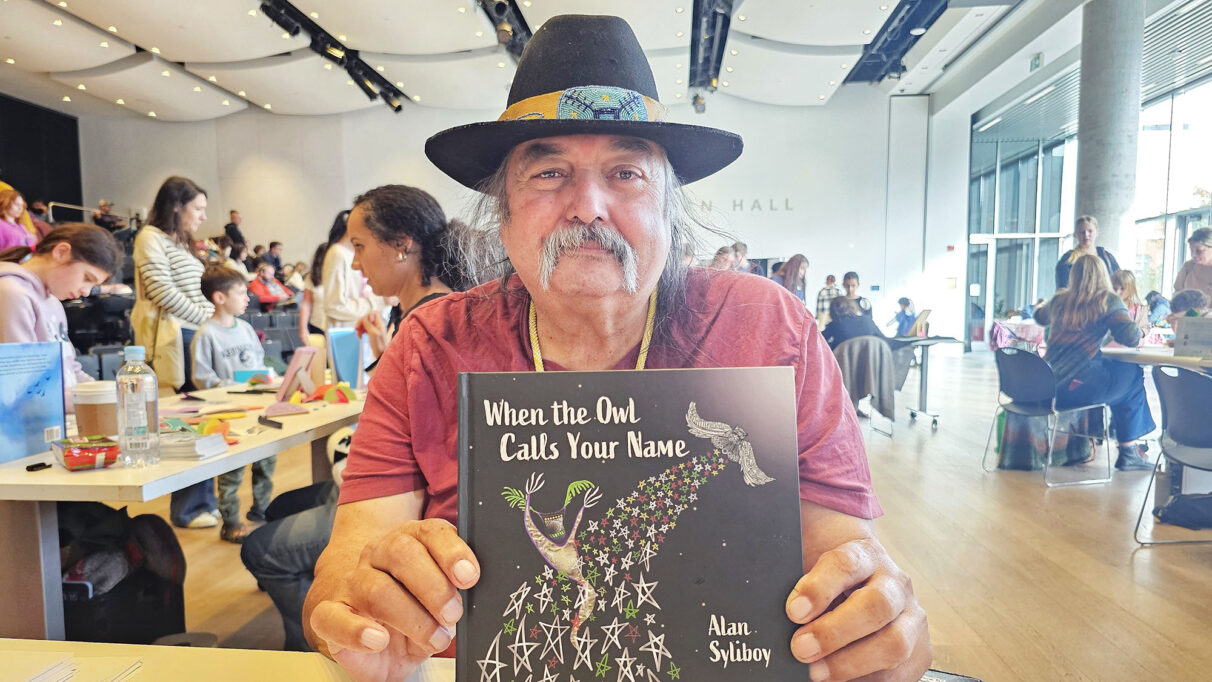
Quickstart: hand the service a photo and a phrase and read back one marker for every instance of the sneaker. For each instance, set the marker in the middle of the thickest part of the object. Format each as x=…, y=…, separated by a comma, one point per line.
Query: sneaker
x=1130, y=459
x=255, y=515
x=234, y=534
x=216, y=513
x=203, y=520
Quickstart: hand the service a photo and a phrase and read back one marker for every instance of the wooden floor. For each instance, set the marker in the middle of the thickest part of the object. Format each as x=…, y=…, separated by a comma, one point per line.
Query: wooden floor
x=1020, y=582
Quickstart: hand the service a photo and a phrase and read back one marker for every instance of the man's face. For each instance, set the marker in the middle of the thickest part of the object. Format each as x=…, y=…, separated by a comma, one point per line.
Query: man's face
x=277, y=250
x=615, y=186
x=235, y=217
x=850, y=284
x=105, y=208
x=266, y=273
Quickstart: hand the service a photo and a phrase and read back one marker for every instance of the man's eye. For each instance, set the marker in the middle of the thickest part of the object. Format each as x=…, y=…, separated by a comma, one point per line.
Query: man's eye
x=548, y=174
x=628, y=175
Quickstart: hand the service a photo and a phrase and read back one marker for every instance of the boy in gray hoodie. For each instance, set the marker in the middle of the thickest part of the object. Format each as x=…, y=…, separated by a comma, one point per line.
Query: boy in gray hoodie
x=222, y=345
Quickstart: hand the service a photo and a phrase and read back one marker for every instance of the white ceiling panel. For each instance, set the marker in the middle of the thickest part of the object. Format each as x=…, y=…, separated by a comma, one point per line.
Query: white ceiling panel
x=189, y=30
x=478, y=79
x=950, y=34
x=669, y=69
x=147, y=84
x=411, y=27
x=300, y=83
x=815, y=22
x=658, y=24
x=39, y=37
x=778, y=73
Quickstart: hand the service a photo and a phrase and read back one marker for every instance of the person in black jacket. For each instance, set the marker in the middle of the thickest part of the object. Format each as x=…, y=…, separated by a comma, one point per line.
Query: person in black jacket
x=1085, y=233
x=232, y=228
x=847, y=322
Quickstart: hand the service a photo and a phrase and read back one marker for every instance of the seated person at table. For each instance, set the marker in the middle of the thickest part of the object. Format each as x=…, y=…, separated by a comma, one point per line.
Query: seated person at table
x=1124, y=284
x=846, y=322
x=592, y=217
x=222, y=345
x=1187, y=303
x=268, y=289
x=1079, y=317
x=1159, y=307
x=850, y=283
x=905, y=318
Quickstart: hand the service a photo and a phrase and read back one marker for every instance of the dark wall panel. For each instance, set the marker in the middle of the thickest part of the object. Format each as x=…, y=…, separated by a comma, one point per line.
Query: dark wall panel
x=40, y=152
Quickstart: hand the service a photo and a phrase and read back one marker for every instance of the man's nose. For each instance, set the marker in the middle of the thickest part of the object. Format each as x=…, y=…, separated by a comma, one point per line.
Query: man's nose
x=589, y=199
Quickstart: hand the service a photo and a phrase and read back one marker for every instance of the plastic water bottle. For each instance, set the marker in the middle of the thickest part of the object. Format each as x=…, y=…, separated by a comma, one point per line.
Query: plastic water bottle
x=138, y=416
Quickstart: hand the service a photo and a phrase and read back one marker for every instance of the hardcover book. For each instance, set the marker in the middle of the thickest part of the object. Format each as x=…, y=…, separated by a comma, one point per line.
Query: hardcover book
x=630, y=525
x=31, y=398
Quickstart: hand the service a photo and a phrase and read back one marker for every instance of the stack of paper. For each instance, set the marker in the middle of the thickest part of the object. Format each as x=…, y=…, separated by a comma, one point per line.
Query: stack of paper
x=39, y=666
x=190, y=445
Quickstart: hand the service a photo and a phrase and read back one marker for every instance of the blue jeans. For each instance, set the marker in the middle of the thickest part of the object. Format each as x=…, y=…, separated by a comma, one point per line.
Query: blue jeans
x=187, y=503
x=282, y=554
x=262, y=490
x=1120, y=385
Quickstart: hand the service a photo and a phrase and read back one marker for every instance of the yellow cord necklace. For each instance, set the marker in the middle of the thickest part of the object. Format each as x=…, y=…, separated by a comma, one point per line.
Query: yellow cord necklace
x=533, y=324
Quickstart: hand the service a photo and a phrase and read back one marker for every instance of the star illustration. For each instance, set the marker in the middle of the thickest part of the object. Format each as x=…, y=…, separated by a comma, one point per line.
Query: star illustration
x=649, y=619
x=630, y=611
x=611, y=634
x=555, y=639
x=675, y=673
x=516, y=600
x=490, y=667
x=620, y=593
x=603, y=666
x=584, y=650
x=521, y=649
x=624, y=662
x=509, y=627
x=656, y=647
x=643, y=591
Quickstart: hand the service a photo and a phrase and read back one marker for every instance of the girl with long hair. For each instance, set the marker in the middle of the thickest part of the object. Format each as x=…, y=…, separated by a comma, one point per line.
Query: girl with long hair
x=12, y=232
x=1124, y=284
x=793, y=275
x=69, y=261
x=1079, y=317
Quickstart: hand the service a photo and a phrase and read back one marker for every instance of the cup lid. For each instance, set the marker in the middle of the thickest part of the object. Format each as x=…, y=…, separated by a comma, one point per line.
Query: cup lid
x=95, y=392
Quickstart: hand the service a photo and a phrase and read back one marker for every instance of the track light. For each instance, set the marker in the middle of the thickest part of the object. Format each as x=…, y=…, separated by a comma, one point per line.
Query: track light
x=504, y=33
x=281, y=16
x=392, y=100
x=328, y=49
x=700, y=104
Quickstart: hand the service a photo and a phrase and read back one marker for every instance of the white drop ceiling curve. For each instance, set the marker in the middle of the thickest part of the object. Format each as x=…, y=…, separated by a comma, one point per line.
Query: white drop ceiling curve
x=300, y=83
x=814, y=23
x=152, y=87
x=779, y=73
x=483, y=75
x=189, y=30
x=405, y=27
x=27, y=27
x=658, y=24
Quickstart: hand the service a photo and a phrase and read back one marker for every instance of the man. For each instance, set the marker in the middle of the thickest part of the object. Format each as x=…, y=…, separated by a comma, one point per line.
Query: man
x=823, y=298
x=103, y=217
x=742, y=260
x=37, y=210
x=269, y=291
x=592, y=218
x=274, y=256
x=232, y=228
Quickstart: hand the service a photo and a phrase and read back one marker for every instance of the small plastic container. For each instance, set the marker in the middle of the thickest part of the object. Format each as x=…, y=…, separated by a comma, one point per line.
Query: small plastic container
x=85, y=452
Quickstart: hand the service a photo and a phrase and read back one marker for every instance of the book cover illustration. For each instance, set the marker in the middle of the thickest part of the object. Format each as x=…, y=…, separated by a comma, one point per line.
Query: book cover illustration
x=639, y=526
x=31, y=398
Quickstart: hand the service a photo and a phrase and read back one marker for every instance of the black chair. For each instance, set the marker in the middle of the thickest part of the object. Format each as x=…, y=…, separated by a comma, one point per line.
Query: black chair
x=278, y=318
x=273, y=349
x=90, y=364
x=1186, y=431
x=1029, y=383
x=260, y=321
x=110, y=364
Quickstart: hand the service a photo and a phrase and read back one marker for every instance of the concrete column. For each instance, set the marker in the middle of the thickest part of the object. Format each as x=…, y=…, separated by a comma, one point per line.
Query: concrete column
x=1109, y=120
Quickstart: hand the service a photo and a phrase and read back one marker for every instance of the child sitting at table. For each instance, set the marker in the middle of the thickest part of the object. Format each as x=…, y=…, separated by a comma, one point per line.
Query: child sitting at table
x=1187, y=303
x=1123, y=282
x=222, y=345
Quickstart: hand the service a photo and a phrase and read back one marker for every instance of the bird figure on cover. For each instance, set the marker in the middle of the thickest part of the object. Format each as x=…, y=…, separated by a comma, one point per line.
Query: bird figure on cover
x=731, y=441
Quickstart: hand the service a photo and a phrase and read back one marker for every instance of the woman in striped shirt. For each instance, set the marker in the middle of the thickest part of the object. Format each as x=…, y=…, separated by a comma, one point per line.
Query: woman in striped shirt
x=169, y=308
x=1079, y=318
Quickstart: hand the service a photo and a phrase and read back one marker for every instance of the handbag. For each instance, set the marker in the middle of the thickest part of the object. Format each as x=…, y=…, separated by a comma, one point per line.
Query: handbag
x=167, y=354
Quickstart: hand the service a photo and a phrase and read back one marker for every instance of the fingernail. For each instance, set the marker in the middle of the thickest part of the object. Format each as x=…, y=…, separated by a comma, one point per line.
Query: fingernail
x=451, y=612
x=464, y=571
x=441, y=639
x=799, y=609
x=805, y=648
x=818, y=672
x=374, y=638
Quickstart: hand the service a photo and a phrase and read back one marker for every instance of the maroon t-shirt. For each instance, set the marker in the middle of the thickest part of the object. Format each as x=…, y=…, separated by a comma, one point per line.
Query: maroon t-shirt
x=407, y=437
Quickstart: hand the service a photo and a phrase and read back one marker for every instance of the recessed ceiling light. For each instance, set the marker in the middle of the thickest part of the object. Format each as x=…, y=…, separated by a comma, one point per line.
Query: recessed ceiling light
x=63, y=4
x=989, y=125
x=724, y=83
x=734, y=52
x=883, y=8
x=679, y=95
x=252, y=12
x=197, y=88
x=866, y=31
x=155, y=50
x=461, y=10
x=500, y=65
x=241, y=93
x=917, y=31
x=679, y=66
x=741, y=17
x=341, y=37
x=151, y=114
x=104, y=43
x=328, y=66
x=679, y=34
x=832, y=82
x=119, y=101
x=379, y=68
x=349, y=82
x=679, y=81
x=479, y=34
x=314, y=15
x=166, y=73
x=112, y=29
x=845, y=66
x=57, y=22
x=728, y=69
x=820, y=97
x=212, y=79
x=526, y=3
x=66, y=98
x=416, y=98
x=285, y=35
x=10, y=60
x=81, y=87
x=227, y=103
x=679, y=10
x=269, y=106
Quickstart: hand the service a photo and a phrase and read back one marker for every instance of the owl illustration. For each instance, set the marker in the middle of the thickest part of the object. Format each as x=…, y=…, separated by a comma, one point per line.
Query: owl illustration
x=731, y=441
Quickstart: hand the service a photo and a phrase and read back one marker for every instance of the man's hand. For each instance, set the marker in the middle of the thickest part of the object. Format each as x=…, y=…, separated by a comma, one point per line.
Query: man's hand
x=398, y=605
x=859, y=615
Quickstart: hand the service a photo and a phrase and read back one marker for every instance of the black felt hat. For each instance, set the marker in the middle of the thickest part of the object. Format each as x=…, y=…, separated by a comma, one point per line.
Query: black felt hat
x=581, y=75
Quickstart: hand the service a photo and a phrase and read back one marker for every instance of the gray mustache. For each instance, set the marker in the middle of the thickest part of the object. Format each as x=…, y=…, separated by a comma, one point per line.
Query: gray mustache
x=578, y=233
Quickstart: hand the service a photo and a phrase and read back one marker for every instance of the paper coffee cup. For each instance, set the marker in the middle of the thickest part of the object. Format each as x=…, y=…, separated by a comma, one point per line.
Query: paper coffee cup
x=96, y=408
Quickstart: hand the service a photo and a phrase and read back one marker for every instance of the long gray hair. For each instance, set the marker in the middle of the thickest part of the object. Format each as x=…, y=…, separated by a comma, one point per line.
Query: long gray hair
x=485, y=257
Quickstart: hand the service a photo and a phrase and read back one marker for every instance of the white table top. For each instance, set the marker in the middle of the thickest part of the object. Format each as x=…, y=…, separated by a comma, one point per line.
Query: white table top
x=119, y=483
x=1157, y=355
